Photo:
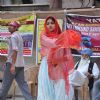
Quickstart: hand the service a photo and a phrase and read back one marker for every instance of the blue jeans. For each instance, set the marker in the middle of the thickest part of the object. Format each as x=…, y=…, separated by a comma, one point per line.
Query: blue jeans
x=8, y=79
x=96, y=90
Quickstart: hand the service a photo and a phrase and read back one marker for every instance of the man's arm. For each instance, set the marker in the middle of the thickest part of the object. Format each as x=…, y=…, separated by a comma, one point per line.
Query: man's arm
x=14, y=57
x=14, y=54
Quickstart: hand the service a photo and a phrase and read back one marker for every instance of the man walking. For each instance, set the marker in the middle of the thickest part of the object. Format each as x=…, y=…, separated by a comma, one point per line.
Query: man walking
x=15, y=64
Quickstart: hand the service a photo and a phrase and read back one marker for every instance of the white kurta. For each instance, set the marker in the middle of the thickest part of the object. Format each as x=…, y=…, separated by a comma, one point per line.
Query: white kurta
x=49, y=89
x=78, y=77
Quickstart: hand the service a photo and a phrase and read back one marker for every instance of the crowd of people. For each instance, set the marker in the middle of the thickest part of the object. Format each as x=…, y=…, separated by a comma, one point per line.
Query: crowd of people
x=58, y=76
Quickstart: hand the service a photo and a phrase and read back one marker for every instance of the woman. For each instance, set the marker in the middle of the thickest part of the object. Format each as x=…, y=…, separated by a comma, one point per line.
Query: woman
x=56, y=62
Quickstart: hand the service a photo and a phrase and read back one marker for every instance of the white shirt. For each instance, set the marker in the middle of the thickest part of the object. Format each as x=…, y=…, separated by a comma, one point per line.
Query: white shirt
x=78, y=77
x=84, y=65
x=15, y=42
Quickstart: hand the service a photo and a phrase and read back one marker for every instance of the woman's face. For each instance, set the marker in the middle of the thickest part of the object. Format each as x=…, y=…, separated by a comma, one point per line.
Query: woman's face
x=50, y=25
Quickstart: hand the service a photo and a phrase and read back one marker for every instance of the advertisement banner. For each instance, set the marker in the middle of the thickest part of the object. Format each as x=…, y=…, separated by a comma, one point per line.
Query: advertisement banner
x=40, y=27
x=89, y=28
x=26, y=30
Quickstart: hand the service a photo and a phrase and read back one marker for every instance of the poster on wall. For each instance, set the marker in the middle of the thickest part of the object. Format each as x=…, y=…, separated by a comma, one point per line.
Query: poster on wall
x=27, y=32
x=40, y=27
x=89, y=28
x=4, y=35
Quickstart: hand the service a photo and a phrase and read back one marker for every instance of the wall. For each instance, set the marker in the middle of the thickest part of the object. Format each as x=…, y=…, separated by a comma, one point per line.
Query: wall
x=77, y=3
x=52, y=3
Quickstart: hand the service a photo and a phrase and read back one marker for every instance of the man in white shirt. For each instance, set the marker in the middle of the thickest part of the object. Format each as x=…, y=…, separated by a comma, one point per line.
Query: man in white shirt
x=15, y=64
x=85, y=70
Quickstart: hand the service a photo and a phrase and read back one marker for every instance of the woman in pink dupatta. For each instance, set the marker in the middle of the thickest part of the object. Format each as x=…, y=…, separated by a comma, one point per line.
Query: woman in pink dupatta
x=57, y=61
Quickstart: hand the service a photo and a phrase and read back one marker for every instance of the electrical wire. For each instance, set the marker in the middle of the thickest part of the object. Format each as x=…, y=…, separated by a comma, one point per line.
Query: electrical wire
x=82, y=1
x=82, y=5
x=88, y=4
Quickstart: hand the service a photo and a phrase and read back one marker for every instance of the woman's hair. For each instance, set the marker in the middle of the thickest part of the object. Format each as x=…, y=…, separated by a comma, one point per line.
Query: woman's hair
x=52, y=18
x=57, y=27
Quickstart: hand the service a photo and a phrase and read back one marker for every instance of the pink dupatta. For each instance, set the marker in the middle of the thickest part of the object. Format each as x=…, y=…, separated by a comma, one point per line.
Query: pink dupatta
x=57, y=47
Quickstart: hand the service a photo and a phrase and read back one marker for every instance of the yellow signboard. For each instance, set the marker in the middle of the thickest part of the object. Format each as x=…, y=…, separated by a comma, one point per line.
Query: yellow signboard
x=40, y=27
